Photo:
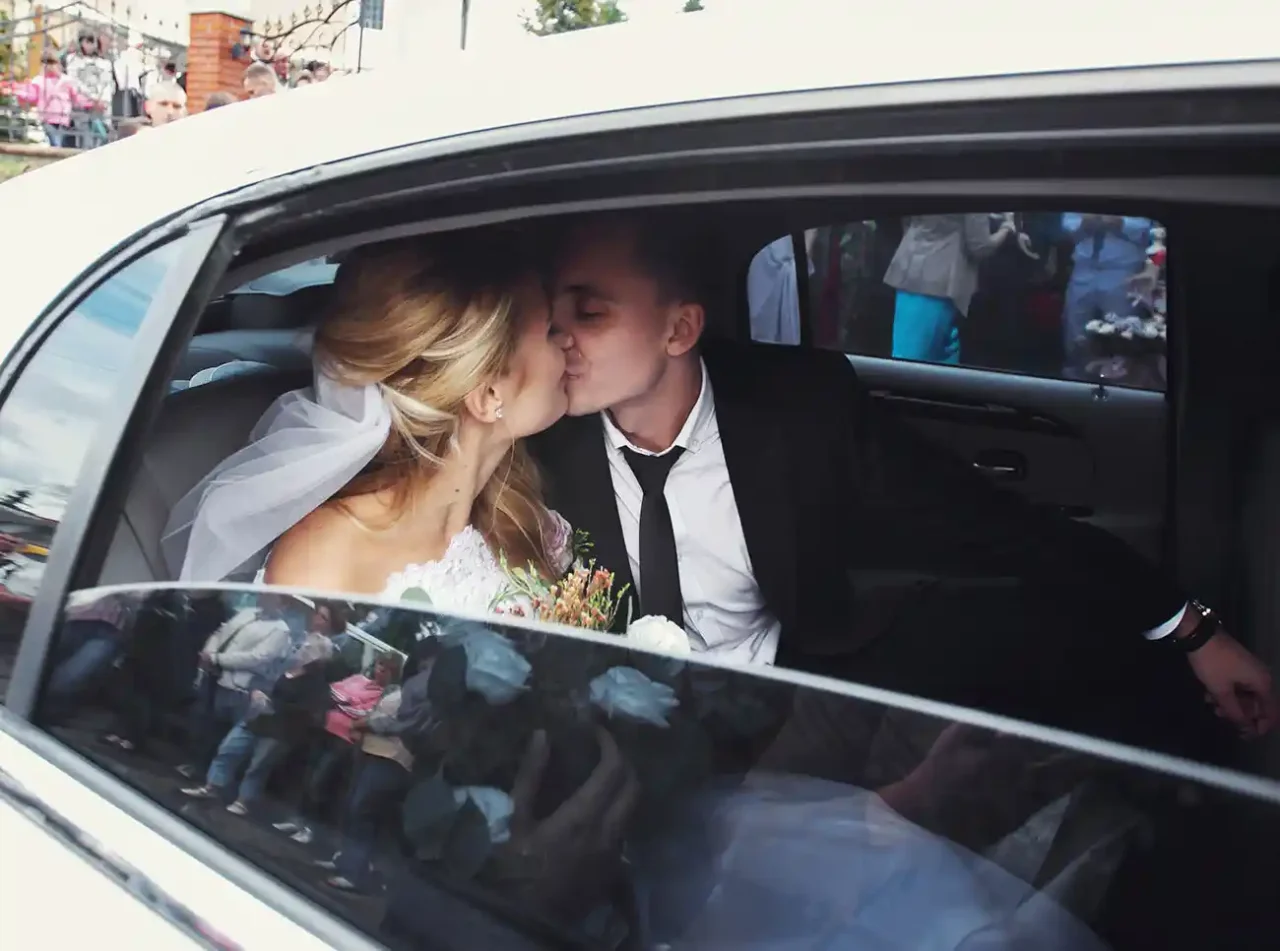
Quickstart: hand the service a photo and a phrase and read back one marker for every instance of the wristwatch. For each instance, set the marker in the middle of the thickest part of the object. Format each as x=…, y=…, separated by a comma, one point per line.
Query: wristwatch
x=1202, y=633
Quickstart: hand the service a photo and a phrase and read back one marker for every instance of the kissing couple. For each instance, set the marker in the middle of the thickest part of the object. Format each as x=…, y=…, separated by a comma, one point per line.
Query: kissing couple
x=731, y=488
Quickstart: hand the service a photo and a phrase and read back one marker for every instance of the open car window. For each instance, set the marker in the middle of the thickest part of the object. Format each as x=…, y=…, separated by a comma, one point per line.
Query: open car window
x=447, y=782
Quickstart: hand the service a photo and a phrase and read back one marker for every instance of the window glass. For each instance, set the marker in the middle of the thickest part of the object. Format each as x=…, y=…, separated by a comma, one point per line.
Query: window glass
x=48, y=421
x=1069, y=295
x=510, y=786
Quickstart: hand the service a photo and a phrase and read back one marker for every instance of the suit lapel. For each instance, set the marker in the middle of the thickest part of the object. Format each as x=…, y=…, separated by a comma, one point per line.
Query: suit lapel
x=757, y=461
x=583, y=494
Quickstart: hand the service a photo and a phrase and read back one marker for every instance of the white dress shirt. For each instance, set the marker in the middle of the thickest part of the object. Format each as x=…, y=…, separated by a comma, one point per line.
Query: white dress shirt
x=724, y=611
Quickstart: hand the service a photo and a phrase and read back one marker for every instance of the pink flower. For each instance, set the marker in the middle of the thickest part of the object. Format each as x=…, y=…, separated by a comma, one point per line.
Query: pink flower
x=557, y=541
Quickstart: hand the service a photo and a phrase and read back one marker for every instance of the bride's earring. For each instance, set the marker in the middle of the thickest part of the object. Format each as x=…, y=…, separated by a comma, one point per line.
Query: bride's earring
x=498, y=413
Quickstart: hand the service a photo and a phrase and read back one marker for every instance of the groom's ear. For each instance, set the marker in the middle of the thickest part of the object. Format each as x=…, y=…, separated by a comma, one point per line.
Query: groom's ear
x=686, y=322
x=484, y=403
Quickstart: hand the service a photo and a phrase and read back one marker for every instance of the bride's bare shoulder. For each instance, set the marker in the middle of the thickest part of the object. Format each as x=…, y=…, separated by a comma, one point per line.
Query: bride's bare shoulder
x=321, y=551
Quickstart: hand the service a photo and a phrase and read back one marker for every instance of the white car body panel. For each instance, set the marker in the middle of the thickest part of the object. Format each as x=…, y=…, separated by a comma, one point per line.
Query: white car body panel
x=41, y=879
x=128, y=186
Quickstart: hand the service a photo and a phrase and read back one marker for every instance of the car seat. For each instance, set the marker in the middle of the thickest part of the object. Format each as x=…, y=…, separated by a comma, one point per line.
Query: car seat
x=196, y=429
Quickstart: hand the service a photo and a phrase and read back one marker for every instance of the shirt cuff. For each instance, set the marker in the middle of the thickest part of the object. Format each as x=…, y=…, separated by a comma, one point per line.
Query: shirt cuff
x=1168, y=627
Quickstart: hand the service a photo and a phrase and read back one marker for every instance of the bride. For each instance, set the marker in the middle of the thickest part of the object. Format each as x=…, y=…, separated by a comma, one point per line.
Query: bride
x=400, y=472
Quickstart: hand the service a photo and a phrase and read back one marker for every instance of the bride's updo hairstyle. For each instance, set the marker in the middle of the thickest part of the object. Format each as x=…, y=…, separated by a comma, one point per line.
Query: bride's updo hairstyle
x=428, y=320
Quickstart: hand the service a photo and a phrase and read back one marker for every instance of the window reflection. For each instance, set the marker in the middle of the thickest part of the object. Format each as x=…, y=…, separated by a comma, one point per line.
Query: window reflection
x=496, y=781
x=48, y=421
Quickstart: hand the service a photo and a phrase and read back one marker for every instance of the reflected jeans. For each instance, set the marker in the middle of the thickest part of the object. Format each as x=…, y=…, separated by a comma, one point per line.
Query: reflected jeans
x=263, y=752
x=375, y=802
x=327, y=758
x=216, y=709
x=88, y=650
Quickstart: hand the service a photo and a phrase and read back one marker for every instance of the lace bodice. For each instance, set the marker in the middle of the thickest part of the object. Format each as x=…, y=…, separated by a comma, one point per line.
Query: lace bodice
x=467, y=578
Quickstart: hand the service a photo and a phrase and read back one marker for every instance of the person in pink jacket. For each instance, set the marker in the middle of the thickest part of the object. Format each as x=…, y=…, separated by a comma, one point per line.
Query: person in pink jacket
x=54, y=96
x=353, y=699
x=355, y=696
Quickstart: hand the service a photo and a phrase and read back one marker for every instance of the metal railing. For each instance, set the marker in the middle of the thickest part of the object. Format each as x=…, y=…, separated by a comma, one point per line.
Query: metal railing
x=23, y=125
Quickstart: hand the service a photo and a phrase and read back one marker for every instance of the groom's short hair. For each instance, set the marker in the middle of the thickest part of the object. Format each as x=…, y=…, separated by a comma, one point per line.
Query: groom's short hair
x=672, y=247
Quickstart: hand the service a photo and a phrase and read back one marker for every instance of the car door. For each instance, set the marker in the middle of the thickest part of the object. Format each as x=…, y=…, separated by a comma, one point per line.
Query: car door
x=574, y=791
x=1083, y=432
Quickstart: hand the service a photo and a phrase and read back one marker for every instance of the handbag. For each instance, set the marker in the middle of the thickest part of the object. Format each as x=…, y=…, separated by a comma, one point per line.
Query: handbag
x=207, y=680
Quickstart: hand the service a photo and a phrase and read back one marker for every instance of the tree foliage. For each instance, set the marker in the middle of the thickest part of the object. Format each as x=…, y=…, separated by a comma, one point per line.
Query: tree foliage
x=565, y=16
x=693, y=6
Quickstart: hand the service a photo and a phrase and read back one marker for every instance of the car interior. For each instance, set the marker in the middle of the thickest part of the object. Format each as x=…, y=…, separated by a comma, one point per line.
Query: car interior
x=1186, y=476
x=1190, y=476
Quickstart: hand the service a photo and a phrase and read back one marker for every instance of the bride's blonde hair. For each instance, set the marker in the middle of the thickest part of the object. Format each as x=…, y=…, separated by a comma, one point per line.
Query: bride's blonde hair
x=429, y=320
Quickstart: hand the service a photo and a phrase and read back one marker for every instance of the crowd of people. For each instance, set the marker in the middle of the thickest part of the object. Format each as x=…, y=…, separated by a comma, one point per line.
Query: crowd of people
x=83, y=99
x=1070, y=295
x=250, y=688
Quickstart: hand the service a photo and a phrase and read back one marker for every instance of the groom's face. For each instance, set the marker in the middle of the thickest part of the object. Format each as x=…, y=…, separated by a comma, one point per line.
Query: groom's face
x=615, y=314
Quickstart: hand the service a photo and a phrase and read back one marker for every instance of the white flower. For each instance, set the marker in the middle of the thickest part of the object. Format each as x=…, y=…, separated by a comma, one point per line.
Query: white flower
x=625, y=692
x=495, y=669
x=660, y=634
x=495, y=805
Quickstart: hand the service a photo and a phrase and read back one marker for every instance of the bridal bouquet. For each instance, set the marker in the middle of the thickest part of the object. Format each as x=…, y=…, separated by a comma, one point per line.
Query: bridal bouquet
x=584, y=597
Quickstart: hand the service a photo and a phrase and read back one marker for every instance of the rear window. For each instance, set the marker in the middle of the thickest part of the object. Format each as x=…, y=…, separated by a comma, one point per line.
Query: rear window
x=1063, y=294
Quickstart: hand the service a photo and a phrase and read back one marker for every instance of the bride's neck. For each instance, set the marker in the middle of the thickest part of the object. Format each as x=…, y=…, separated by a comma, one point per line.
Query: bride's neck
x=443, y=507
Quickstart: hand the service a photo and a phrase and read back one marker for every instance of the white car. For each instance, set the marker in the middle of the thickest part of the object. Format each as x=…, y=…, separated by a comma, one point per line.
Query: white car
x=159, y=293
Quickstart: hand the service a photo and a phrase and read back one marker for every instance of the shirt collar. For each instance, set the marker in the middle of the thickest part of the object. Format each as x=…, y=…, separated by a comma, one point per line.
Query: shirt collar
x=699, y=426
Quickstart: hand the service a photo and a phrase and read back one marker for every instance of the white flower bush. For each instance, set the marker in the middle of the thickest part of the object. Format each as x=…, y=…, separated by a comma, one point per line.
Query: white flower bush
x=658, y=633
x=626, y=692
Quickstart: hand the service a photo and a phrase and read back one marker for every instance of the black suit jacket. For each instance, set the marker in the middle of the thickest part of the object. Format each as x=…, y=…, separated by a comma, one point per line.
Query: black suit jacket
x=831, y=487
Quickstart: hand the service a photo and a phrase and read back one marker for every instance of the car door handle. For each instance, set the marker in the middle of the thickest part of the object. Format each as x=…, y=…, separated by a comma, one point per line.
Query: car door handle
x=1002, y=464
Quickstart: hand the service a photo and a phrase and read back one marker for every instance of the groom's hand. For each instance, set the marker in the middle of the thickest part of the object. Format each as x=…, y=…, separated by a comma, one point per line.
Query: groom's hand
x=1237, y=684
x=564, y=864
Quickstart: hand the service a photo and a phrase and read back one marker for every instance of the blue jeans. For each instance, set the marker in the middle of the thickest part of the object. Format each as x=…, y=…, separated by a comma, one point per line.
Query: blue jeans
x=216, y=709
x=925, y=328
x=56, y=134
x=263, y=752
x=1090, y=295
x=88, y=650
x=375, y=800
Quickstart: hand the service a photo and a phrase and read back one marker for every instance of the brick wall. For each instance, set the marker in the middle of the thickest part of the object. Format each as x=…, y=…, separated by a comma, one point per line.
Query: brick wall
x=210, y=67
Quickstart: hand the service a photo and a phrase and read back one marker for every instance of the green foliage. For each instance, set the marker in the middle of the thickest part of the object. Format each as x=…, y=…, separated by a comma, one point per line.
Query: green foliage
x=565, y=16
x=693, y=6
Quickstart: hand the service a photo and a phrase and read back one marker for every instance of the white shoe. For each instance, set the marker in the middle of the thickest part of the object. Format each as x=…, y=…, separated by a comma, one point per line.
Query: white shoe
x=289, y=825
x=200, y=792
x=328, y=864
x=303, y=836
x=189, y=771
x=238, y=808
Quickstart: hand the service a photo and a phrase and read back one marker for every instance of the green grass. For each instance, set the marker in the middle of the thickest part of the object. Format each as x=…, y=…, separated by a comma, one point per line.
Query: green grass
x=11, y=165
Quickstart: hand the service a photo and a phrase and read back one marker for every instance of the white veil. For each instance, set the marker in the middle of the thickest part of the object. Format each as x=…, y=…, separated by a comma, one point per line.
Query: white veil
x=307, y=446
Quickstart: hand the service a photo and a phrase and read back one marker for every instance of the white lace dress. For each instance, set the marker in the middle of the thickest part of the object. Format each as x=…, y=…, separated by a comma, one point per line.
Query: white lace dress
x=468, y=577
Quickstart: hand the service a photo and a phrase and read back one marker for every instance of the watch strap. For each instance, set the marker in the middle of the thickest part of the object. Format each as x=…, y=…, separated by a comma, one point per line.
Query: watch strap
x=1202, y=633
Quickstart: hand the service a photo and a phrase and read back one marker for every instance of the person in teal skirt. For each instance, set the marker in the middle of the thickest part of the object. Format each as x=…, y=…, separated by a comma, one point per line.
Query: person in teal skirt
x=935, y=274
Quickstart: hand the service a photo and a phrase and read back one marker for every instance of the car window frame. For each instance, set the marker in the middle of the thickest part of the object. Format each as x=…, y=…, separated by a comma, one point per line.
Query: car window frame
x=178, y=291
x=105, y=473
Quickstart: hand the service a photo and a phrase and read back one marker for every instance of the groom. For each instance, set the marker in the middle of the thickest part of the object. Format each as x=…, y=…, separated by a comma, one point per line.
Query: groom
x=739, y=487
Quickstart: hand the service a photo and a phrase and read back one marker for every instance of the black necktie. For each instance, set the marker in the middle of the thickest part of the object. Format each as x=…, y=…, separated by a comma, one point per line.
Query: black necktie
x=659, y=567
